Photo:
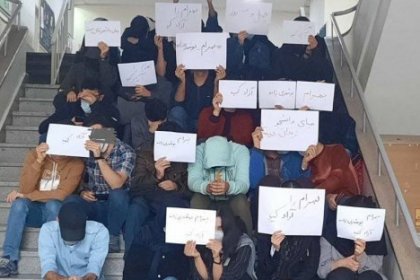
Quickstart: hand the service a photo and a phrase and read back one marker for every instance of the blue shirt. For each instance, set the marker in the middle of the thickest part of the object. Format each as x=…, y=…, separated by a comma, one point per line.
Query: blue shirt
x=86, y=256
x=121, y=159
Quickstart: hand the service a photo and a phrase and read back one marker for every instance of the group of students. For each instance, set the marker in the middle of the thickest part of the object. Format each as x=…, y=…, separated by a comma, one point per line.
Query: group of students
x=122, y=187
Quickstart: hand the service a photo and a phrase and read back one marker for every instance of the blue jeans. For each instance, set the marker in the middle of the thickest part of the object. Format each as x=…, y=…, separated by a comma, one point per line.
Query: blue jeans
x=111, y=212
x=179, y=115
x=138, y=212
x=26, y=213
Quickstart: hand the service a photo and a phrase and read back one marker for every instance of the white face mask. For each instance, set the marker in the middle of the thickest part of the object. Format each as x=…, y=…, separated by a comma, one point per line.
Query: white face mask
x=85, y=107
x=219, y=235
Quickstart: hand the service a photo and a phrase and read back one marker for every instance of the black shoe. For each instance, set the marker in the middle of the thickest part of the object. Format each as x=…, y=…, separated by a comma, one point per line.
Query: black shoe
x=8, y=267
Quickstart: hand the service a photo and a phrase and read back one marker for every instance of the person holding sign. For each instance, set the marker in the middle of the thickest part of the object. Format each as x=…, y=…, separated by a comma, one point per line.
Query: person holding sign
x=195, y=91
x=45, y=181
x=235, y=125
x=231, y=255
x=283, y=257
x=343, y=259
x=220, y=177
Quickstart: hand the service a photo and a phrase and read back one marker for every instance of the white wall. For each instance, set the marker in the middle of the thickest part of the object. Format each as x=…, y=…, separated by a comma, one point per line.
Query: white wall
x=126, y=13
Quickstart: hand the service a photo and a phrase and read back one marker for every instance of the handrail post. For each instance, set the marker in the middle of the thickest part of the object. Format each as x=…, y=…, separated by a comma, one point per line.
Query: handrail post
x=352, y=89
x=379, y=163
x=397, y=212
x=332, y=34
x=5, y=46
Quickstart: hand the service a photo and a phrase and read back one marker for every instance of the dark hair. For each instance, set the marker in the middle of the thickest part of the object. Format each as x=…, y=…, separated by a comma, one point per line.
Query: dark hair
x=301, y=19
x=358, y=201
x=156, y=110
x=233, y=228
x=291, y=184
x=104, y=121
x=91, y=84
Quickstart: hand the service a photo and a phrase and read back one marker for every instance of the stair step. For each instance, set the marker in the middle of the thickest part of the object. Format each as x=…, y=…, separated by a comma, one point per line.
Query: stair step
x=9, y=172
x=28, y=118
x=40, y=91
x=10, y=153
x=36, y=105
x=22, y=134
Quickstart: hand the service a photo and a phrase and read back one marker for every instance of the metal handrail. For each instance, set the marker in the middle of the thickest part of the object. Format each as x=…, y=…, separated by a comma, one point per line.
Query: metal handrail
x=367, y=118
x=59, y=41
x=14, y=16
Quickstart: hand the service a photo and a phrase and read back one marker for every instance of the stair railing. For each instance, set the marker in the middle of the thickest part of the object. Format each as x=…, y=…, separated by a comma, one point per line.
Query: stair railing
x=59, y=41
x=383, y=159
x=12, y=18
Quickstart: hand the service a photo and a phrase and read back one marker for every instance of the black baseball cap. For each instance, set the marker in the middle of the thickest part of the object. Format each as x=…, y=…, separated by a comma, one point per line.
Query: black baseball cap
x=72, y=221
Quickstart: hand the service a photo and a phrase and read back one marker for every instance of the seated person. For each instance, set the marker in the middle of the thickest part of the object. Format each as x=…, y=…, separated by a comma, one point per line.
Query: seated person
x=257, y=51
x=45, y=181
x=331, y=170
x=344, y=259
x=235, y=55
x=195, y=92
x=105, y=196
x=155, y=184
x=220, y=177
x=235, y=125
x=302, y=62
x=72, y=248
x=231, y=255
x=283, y=257
x=89, y=101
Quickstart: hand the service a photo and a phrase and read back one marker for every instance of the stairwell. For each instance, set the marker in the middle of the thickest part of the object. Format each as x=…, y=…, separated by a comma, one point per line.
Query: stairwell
x=19, y=137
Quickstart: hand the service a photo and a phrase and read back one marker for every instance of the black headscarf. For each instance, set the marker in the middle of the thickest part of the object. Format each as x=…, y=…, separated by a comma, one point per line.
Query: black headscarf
x=346, y=246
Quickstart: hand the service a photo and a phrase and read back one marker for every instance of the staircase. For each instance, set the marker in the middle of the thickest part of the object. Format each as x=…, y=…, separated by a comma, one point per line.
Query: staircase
x=19, y=137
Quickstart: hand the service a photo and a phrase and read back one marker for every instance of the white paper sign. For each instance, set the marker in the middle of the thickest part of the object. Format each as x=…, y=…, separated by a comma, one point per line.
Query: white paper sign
x=68, y=140
x=176, y=147
x=238, y=94
x=285, y=130
x=293, y=211
x=177, y=18
x=360, y=223
x=137, y=74
x=252, y=17
x=185, y=224
x=317, y=96
x=201, y=50
x=105, y=31
x=297, y=32
x=273, y=93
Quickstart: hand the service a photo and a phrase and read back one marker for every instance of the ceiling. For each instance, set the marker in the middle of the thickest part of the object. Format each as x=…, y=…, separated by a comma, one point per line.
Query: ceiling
x=278, y=5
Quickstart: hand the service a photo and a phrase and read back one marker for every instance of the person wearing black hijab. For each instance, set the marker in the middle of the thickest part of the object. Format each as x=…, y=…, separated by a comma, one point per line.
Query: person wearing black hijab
x=344, y=259
x=283, y=257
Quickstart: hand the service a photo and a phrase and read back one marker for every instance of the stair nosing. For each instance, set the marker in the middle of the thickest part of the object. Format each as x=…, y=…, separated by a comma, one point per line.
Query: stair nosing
x=16, y=145
x=21, y=128
x=43, y=86
x=34, y=99
x=30, y=114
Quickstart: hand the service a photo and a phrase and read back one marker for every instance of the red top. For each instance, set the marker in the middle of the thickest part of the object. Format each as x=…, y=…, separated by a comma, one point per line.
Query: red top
x=236, y=126
x=333, y=171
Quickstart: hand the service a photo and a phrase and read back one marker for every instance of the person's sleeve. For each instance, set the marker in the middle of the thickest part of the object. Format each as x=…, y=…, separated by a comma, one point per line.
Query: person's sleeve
x=325, y=258
x=108, y=73
x=144, y=174
x=68, y=184
x=126, y=93
x=209, y=125
x=236, y=268
x=240, y=185
x=310, y=266
x=372, y=262
x=266, y=261
x=196, y=182
x=30, y=174
x=47, y=251
x=98, y=252
x=256, y=168
x=291, y=170
x=212, y=24
x=128, y=162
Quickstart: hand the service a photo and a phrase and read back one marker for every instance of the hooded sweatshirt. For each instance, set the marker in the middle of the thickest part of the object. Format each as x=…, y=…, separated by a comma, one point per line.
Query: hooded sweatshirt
x=219, y=159
x=51, y=179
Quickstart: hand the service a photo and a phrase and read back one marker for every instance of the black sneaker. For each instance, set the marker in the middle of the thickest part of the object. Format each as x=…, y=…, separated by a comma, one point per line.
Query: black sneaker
x=8, y=267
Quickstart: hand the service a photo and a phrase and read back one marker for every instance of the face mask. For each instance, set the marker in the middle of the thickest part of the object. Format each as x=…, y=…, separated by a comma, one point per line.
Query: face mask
x=85, y=107
x=70, y=243
x=219, y=235
x=104, y=147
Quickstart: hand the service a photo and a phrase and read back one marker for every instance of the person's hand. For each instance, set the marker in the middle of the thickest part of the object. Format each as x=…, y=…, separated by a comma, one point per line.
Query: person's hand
x=104, y=48
x=190, y=249
x=217, y=102
x=350, y=263
x=257, y=137
x=133, y=40
x=215, y=246
x=180, y=72
x=13, y=196
x=71, y=97
x=175, y=1
x=276, y=239
x=88, y=196
x=359, y=247
x=161, y=165
x=94, y=147
x=88, y=97
x=310, y=154
x=278, y=107
x=158, y=42
x=41, y=152
x=168, y=185
x=312, y=43
x=304, y=108
x=218, y=188
x=242, y=36
x=74, y=278
x=141, y=91
x=331, y=201
x=220, y=73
